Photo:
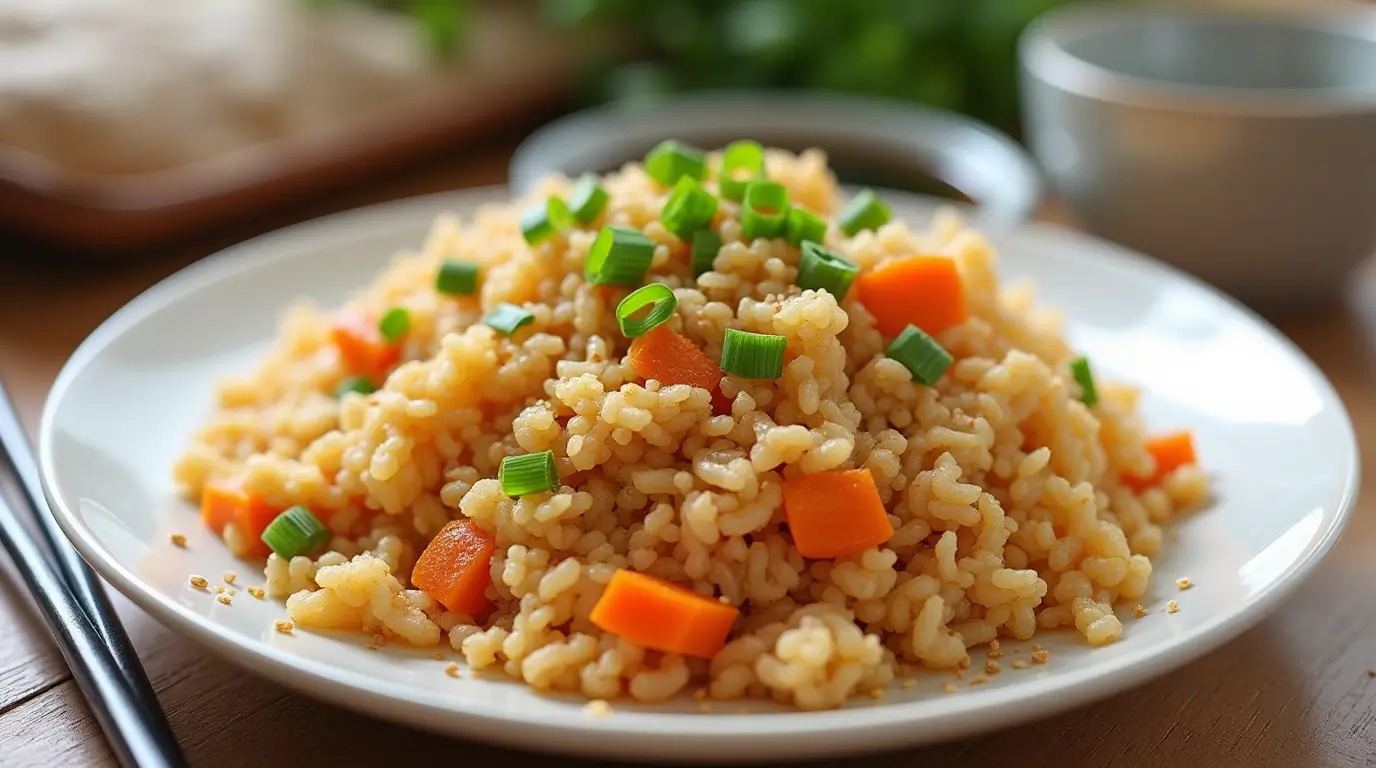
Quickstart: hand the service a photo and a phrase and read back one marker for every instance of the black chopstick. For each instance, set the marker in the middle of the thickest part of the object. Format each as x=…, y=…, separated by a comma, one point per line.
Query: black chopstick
x=92, y=640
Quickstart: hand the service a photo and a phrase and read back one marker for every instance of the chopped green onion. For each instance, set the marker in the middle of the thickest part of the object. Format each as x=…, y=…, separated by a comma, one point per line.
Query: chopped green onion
x=619, y=256
x=764, y=209
x=864, y=211
x=295, y=532
x=820, y=270
x=688, y=209
x=804, y=226
x=671, y=160
x=660, y=301
x=741, y=163
x=920, y=354
x=706, y=243
x=587, y=199
x=457, y=278
x=1079, y=368
x=506, y=318
x=753, y=355
x=359, y=384
x=545, y=219
x=531, y=473
x=394, y=324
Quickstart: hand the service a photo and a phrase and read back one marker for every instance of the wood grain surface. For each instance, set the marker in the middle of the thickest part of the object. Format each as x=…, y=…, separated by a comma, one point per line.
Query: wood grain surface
x=1293, y=692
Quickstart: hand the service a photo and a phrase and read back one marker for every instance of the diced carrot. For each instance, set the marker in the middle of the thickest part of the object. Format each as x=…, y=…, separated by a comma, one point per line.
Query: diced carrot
x=1171, y=452
x=362, y=346
x=225, y=501
x=833, y=514
x=669, y=358
x=924, y=291
x=662, y=616
x=453, y=569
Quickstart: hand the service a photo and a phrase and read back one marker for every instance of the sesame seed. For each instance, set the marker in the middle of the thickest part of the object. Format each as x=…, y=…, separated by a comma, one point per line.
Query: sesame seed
x=598, y=708
x=1020, y=664
x=995, y=654
x=909, y=683
x=1183, y=582
x=224, y=599
x=438, y=657
x=1041, y=656
x=284, y=626
x=979, y=679
x=992, y=667
x=993, y=645
x=229, y=577
x=451, y=669
x=178, y=540
x=877, y=694
x=219, y=590
x=1139, y=611
x=256, y=592
x=1172, y=607
x=948, y=688
x=1036, y=647
x=371, y=646
x=198, y=582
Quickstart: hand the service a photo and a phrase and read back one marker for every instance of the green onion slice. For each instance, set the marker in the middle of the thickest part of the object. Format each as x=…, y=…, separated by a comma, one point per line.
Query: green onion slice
x=506, y=318
x=689, y=208
x=706, y=244
x=646, y=307
x=864, y=211
x=920, y=354
x=619, y=256
x=394, y=324
x=587, y=199
x=753, y=355
x=671, y=160
x=741, y=163
x=531, y=473
x=359, y=384
x=545, y=219
x=296, y=532
x=764, y=209
x=821, y=270
x=457, y=278
x=1079, y=368
x=803, y=226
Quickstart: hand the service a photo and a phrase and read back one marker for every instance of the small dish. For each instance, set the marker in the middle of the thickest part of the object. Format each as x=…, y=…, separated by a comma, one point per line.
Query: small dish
x=1273, y=432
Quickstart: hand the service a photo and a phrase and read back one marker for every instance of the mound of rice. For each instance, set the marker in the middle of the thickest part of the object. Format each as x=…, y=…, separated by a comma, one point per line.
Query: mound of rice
x=1002, y=487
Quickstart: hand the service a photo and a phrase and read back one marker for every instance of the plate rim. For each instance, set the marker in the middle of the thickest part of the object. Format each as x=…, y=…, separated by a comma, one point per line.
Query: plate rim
x=668, y=735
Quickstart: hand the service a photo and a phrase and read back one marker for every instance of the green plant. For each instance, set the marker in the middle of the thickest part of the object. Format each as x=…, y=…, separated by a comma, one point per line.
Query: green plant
x=956, y=54
x=442, y=23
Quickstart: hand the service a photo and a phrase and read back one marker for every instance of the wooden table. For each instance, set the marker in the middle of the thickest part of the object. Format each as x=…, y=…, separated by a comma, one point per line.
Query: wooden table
x=1295, y=691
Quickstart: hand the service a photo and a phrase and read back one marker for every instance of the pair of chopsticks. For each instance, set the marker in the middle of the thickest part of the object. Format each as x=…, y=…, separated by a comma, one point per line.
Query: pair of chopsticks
x=80, y=616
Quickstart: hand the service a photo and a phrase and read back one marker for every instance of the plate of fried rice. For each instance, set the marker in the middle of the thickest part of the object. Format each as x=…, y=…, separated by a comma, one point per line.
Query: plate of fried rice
x=709, y=458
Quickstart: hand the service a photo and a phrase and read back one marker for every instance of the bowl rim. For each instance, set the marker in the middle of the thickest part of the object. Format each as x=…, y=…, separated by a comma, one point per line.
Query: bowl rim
x=1044, y=56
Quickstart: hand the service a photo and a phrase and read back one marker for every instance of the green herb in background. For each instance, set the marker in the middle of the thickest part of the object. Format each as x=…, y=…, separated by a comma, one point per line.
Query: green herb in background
x=954, y=54
x=442, y=24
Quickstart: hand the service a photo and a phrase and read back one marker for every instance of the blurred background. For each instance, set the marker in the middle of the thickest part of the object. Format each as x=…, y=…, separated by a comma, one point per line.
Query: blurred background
x=129, y=126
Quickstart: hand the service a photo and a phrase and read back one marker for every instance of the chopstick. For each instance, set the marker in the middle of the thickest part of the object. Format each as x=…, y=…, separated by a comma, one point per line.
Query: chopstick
x=80, y=616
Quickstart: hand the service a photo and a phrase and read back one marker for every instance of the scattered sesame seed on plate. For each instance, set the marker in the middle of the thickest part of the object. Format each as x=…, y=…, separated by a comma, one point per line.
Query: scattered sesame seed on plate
x=994, y=645
x=992, y=667
x=178, y=540
x=909, y=683
x=451, y=669
x=1172, y=607
x=1184, y=582
x=948, y=688
x=229, y=577
x=1041, y=656
x=198, y=582
x=979, y=679
x=256, y=592
x=438, y=656
x=219, y=590
x=1139, y=611
x=1020, y=664
x=995, y=653
x=224, y=599
x=877, y=694
x=371, y=647
x=598, y=708
x=284, y=626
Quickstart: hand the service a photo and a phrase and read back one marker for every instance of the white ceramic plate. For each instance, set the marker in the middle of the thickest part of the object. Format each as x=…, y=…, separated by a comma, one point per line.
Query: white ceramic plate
x=1269, y=427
